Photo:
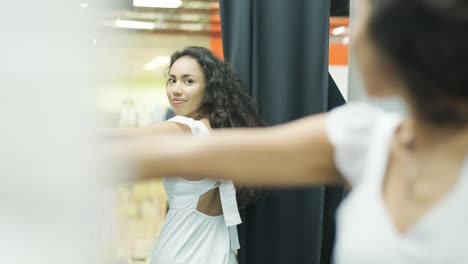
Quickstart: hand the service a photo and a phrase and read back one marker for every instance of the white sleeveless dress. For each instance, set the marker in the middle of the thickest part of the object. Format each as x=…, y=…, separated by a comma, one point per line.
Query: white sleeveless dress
x=366, y=234
x=189, y=236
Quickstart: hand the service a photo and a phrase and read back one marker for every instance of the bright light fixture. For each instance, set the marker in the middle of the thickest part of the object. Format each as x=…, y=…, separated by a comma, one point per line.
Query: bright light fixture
x=157, y=63
x=339, y=30
x=345, y=40
x=157, y=3
x=84, y=5
x=120, y=23
x=191, y=27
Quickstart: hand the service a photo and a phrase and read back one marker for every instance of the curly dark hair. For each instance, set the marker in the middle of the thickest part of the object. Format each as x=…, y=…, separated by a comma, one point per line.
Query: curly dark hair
x=426, y=42
x=226, y=103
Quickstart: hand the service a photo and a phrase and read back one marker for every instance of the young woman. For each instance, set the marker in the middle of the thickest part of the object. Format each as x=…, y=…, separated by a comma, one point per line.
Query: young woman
x=204, y=93
x=408, y=174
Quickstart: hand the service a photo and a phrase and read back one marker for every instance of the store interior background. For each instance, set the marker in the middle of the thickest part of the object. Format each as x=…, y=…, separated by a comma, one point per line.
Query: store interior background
x=134, y=44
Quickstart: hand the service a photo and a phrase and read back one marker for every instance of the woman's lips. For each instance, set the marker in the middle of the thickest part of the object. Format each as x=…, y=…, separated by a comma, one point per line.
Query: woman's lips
x=178, y=101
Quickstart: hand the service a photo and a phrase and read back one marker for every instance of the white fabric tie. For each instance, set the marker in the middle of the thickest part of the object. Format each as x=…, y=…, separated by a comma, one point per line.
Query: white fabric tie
x=230, y=211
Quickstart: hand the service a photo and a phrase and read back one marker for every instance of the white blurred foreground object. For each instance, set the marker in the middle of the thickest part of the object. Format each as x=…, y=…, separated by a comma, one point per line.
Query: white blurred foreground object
x=48, y=176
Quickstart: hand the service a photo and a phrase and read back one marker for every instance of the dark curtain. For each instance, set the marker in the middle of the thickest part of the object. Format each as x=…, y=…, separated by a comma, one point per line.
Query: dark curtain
x=280, y=48
x=339, y=8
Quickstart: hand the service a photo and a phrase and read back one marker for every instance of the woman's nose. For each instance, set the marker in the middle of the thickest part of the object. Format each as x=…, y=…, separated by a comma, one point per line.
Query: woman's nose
x=177, y=89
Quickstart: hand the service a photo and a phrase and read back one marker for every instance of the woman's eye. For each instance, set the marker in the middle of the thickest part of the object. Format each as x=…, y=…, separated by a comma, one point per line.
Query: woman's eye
x=189, y=81
x=171, y=81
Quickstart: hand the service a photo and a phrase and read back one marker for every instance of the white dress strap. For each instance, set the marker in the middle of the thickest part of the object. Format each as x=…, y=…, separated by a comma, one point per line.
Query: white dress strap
x=197, y=127
x=230, y=211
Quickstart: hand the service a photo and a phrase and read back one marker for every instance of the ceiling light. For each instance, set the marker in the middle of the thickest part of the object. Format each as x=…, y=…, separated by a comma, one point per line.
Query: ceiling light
x=339, y=30
x=157, y=63
x=191, y=27
x=345, y=40
x=84, y=5
x=157, y=3
x=120, y=23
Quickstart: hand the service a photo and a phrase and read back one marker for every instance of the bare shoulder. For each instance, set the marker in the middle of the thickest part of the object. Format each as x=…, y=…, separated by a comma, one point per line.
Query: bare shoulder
x=168, y=127
x=207, y=123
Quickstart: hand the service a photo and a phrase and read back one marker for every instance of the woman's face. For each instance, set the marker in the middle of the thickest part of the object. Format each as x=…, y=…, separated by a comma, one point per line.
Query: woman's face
x=186, y=86
x=377, y=74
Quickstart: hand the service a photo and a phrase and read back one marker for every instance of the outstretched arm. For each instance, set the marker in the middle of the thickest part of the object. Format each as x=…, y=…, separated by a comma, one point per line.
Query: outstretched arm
x=296, y=153
x=162, y=128
x=166, y=127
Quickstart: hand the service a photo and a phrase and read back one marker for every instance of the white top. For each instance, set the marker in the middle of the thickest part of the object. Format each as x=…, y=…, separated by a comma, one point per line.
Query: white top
x=361, y=137
x=189, y=236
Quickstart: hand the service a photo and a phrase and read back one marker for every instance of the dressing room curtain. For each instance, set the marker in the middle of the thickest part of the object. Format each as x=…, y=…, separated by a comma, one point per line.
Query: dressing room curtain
x=280, y=48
